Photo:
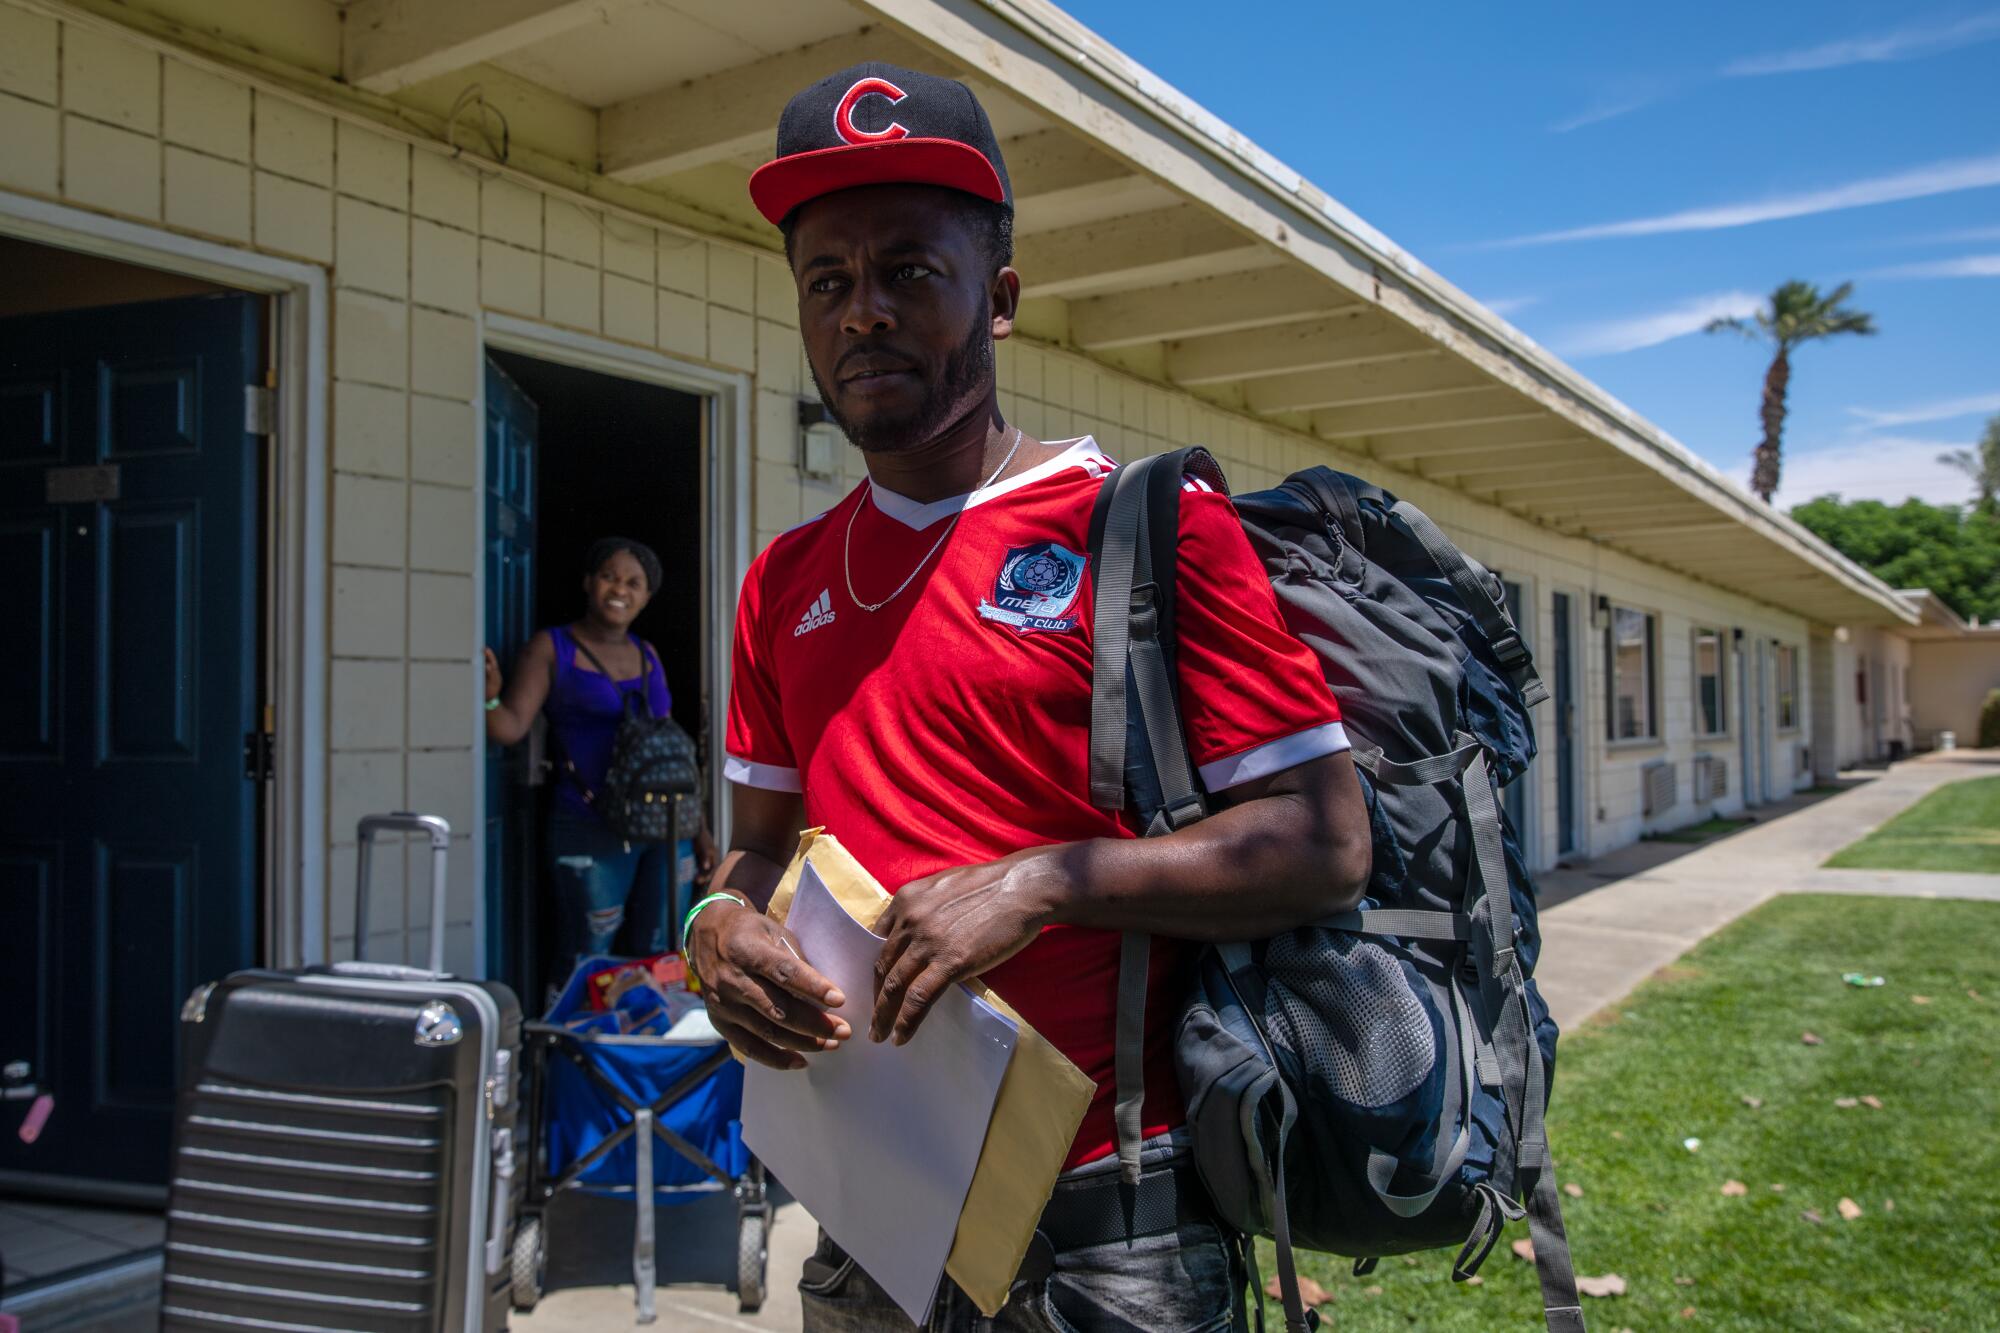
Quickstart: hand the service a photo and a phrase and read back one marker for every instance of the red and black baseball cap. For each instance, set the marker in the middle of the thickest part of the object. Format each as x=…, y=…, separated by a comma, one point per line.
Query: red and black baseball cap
x=880, y=124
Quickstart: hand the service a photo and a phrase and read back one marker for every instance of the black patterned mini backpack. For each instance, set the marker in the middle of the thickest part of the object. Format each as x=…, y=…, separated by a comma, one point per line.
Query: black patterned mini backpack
x=651, y=791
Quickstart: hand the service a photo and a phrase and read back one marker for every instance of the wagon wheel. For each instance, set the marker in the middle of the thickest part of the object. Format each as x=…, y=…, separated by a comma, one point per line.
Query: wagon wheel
x=752, y=1254
x=530, y=1263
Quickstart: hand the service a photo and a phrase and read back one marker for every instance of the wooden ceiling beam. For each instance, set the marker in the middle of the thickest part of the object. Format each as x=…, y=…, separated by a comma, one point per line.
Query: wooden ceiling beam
x=388, y=45
x=1456, y=446
x=730, y=113
x=1207, y=306
x=1462, y=408
x=1399, y=381
x=1319, y=344
x=1144, y=250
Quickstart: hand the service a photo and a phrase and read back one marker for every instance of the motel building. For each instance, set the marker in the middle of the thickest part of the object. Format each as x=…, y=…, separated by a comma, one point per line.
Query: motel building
x=332, y=333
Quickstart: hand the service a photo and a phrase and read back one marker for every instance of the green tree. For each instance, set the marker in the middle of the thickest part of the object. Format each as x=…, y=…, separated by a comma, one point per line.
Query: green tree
x=1982, y=465
x=1796, y=313
x=1954, y=553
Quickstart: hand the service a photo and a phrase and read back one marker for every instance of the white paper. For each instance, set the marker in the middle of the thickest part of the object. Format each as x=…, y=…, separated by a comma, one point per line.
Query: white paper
x=878, y=1141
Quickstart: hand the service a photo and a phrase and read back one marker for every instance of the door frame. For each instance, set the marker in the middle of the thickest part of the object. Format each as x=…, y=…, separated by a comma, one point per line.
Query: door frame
x=294, y=888
x=725, y=463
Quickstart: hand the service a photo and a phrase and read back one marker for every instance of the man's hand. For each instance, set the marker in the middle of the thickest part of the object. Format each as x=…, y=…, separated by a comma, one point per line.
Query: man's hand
x=761, y=996
x=957, y=924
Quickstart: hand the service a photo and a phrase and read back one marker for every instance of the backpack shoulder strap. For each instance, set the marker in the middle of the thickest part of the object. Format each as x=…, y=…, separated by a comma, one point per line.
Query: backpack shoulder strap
x=1479, y=600
x=1135, y=531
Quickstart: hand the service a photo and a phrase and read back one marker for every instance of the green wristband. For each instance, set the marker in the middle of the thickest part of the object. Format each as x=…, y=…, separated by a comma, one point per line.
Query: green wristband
x=687, y=922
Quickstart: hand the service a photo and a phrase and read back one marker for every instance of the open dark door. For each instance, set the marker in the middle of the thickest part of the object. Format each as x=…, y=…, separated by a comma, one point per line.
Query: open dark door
x=511, y=824
x=128, y=591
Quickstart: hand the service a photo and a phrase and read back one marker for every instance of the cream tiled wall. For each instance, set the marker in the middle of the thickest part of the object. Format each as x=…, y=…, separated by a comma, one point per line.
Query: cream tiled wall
x=418, y=244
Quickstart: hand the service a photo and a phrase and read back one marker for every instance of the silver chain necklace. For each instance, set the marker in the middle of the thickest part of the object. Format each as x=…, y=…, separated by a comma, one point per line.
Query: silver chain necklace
x=847, y=544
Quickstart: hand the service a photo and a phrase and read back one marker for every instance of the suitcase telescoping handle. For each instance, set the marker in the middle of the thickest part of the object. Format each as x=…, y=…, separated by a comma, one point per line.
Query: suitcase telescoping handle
x=403, y=821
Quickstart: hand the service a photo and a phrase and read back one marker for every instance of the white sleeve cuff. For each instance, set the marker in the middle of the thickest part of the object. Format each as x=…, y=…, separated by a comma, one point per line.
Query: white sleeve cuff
x=770, y=777
x=1273, y=757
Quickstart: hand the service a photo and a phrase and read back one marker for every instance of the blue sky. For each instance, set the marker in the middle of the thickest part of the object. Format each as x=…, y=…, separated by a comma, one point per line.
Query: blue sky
x=1608, y=176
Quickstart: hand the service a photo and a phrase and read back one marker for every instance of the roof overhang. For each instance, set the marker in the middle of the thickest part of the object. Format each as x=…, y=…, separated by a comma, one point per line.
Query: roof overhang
x=1151, y=236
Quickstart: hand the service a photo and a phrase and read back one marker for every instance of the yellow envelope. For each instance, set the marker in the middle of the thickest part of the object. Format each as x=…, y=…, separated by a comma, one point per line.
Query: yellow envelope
x=1035, y=1117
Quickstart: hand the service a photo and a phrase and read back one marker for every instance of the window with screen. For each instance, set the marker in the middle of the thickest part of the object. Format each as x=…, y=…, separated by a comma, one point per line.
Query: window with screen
x=1711, y=707
x=1629, y=659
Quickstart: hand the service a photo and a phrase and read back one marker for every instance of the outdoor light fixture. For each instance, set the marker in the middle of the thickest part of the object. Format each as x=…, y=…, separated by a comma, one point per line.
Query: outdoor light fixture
x=1602, y=615
x=819, y=441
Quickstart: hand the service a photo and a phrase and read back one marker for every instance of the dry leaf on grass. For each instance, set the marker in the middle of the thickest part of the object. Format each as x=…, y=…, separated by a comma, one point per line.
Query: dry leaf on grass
x=1311, y=1292
x=1872, y=1102
x=1888, y=1205
x=1811, y=1039
x=1812, y=1215
x=1777, y=1187
x=1524, y=1249
x=1683, y=1282
x=1847, y=1103
x=1687, y=1312
x=1849, y=1209
x=1920, y=999
x=1753, y=1102
x=1475, y=1281
x=1609, y=1285
x=1734, y=1189
x=1371, y=1291
x=1574, y=1190
x=1973, y=994
x=1618, y=1134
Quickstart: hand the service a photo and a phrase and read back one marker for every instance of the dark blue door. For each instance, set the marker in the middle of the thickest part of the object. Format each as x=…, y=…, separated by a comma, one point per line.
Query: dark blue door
x=128, y=603
x=511, y=418
x=1566, y=729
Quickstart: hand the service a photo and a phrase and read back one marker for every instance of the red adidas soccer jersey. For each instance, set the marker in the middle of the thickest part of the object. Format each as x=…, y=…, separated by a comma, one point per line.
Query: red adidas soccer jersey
x=952, y=727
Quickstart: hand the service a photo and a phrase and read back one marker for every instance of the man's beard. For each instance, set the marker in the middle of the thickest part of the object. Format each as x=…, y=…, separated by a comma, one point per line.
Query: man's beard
x=966, y=372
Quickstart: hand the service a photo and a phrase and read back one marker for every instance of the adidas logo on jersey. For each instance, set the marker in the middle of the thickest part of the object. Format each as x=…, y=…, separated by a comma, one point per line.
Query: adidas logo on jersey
x=818, y=614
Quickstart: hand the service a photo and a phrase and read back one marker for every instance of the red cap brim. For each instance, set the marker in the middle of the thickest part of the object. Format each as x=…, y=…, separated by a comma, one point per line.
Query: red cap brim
x=780, y=186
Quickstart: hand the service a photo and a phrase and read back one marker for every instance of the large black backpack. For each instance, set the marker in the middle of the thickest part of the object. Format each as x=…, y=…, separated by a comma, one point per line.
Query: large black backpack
x=1372, y=1084
x=650, y=791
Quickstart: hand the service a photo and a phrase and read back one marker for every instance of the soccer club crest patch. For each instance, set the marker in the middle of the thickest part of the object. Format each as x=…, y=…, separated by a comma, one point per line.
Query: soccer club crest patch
x=1036, y=589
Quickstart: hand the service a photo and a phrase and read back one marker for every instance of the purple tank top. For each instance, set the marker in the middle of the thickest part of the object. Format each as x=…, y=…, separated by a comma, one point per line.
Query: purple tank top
x=584, y=709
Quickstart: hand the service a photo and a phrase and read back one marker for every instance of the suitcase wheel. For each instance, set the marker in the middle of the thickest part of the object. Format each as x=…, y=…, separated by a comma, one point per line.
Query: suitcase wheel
x=752, y=1252
x=530, y=1259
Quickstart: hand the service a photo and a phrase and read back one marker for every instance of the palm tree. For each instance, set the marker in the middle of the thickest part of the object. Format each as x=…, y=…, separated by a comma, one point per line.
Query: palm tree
x=1795, y=314
x=1983, y=466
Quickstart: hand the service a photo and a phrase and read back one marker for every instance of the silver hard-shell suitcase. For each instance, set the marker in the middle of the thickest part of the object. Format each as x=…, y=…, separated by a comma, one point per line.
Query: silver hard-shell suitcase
x=344, y=1141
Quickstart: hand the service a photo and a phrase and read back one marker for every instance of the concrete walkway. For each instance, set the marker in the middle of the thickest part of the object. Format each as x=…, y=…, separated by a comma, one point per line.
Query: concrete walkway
x=1625, y=916
x=1614, y=922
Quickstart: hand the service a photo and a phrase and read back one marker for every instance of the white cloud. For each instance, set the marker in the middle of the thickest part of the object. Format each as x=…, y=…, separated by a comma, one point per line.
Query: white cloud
x=1917, y=183
x=1901, y=44
x=1946, y=409
x=1509, y=306
x=1610, y=337
x=1966, y=266
x=1889, y=468
x=1609, y=109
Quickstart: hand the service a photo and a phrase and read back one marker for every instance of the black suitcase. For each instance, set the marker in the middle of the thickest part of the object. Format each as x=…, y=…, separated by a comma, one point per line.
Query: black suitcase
x=344, y=1142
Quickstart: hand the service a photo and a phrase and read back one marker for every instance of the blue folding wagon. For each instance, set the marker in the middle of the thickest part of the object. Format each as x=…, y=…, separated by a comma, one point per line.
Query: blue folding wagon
x=603, y=1107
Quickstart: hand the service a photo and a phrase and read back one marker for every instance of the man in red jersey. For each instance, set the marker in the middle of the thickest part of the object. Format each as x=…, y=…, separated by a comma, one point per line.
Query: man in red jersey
x=912, y=670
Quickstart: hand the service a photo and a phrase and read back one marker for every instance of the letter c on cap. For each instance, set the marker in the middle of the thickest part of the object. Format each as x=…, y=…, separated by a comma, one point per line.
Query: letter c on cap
x=843, y=115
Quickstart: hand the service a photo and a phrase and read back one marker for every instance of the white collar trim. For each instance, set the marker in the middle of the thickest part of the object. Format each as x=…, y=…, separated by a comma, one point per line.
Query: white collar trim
x=918, y=516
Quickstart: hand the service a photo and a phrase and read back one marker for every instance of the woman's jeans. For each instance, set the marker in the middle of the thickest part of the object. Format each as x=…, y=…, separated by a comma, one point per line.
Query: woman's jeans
x=611, y=895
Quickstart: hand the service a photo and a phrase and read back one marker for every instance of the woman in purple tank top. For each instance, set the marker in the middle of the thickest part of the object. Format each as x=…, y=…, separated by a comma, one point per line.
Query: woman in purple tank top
x=611, y=895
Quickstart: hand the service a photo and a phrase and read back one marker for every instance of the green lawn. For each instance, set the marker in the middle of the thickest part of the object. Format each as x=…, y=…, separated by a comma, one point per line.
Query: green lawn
x=1715, y=826
x=1678, y=1059
x=1956, y=827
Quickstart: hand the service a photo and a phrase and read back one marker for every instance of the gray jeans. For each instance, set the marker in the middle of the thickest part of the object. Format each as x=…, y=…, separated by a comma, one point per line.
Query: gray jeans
x=1184, y=1280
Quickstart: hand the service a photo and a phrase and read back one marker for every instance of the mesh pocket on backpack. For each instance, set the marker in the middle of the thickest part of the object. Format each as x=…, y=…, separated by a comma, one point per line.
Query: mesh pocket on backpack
x=1341, y=1006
